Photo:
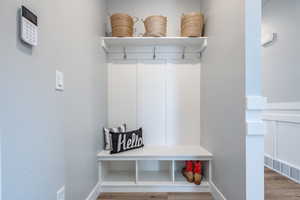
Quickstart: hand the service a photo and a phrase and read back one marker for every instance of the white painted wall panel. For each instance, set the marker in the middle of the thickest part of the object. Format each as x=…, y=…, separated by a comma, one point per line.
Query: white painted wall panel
x=122, y=94
x=288, y=143
x=183, y=104
x=282, y=140
x=162, y=98
x=269, y=138
x=151, y=101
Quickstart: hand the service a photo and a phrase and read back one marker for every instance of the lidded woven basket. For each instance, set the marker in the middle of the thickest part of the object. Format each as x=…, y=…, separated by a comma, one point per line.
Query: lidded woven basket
x=122, y=25
x=155, y=26
x=192, y=24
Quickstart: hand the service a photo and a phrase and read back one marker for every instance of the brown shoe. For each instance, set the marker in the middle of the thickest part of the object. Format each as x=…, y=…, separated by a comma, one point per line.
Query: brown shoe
x=197, y=179
x=187, y=172
x=197, y=173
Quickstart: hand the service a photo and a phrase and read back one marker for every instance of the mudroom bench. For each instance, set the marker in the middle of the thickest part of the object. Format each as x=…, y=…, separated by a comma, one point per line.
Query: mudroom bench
x=152, y=169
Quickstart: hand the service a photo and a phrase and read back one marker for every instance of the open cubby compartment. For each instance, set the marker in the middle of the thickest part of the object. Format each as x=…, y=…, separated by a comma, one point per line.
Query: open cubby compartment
x=154, y=171
x=118, y=172
x=180, y=179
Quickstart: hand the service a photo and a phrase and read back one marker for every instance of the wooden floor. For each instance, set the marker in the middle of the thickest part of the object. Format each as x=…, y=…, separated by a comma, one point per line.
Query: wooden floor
x=156, y=196
x=277, y=187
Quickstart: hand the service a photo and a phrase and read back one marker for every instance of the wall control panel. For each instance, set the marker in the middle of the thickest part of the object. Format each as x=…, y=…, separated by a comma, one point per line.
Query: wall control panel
x=29, y=27
x=59, y=81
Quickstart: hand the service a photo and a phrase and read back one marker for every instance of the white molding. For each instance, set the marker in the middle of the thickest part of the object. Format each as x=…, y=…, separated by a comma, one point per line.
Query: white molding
x=287, y=106
x=216, y=192
x=95, y=192
x=288, y=118
x=255, y=106
x=282, y=112
x=154, y=188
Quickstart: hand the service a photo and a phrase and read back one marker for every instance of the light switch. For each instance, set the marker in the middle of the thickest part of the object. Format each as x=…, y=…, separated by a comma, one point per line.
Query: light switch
x=59, y=81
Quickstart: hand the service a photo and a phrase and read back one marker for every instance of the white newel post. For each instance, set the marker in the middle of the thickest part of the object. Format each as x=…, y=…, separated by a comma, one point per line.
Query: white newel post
x=255, y=102
x=255, y=148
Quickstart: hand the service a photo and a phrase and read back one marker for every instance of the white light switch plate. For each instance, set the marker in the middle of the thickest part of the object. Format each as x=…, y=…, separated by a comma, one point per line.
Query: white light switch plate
x=59, y=81
x=61, y=193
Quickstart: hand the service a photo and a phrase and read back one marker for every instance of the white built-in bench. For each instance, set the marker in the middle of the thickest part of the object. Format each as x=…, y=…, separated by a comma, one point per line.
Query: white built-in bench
x=152, y=169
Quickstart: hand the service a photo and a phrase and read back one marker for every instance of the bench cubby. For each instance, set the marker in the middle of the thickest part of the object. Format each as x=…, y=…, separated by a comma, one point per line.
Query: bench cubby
x=152, y=169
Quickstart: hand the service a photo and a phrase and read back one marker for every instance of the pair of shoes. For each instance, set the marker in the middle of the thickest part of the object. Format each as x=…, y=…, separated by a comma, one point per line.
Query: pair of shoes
x=193, y=172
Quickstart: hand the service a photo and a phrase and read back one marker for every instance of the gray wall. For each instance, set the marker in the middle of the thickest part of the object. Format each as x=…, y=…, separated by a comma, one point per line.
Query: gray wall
x=223, y=95
x=50, y=139
x=85, y=96
x=281, y=72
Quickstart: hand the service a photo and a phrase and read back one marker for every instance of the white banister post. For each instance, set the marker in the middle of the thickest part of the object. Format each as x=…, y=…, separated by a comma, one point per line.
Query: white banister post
x=254, y=102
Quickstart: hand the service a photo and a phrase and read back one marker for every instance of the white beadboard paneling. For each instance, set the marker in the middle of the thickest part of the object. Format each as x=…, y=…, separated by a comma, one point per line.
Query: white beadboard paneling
x=183, y=104
x=151, y=101
x=122, y=94
x=269, y=138
x=288, y=143
x=282, y=138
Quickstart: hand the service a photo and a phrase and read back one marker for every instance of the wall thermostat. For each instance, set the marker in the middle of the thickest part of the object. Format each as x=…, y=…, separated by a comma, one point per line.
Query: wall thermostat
x=29, y=27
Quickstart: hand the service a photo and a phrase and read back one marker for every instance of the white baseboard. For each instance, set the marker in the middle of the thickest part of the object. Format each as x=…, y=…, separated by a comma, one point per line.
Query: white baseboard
x=95, y=192
x=283, y=168
x=157, y=188
x=216, y=192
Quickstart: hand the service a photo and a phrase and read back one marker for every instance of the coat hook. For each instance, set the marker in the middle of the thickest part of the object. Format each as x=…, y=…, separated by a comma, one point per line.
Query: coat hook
x=124, y=53
x=269, y=39
x=183, y=53
x=154, y=53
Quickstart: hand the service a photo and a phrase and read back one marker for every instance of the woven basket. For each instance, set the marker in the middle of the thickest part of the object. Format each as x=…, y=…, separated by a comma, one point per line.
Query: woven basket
x=156, y=26
x=122, y=25
x=192, y=24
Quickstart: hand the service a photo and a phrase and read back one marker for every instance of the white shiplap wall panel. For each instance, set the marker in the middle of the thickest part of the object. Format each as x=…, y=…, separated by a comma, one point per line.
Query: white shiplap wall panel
x=183, y=104
x=122, y=94
x=162, y=97
x=151, y=101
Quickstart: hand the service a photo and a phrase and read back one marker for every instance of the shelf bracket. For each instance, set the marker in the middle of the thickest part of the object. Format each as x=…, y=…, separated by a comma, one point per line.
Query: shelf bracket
x=154, y=53
x=124, y=53
x=104, y=47
x=183, y=53
x=203, y=48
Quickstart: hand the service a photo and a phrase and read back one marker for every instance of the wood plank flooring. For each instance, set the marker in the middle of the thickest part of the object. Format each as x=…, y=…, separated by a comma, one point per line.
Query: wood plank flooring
x=156, y=196
x=277, y=187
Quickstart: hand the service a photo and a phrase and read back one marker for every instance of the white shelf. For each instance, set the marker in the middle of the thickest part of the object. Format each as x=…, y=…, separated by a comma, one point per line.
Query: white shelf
x=162, y=177
x=119, y=176
x=151, y=44
x=181, y=180
x=160, y=153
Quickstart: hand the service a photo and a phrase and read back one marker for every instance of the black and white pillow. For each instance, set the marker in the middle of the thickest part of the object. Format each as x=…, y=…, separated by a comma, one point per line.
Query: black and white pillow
x=127, y=141
x=107, y=135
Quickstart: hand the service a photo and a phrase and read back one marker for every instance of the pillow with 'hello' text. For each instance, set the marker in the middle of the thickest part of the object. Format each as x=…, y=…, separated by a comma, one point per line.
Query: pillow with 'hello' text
x=127, y=141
